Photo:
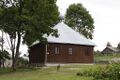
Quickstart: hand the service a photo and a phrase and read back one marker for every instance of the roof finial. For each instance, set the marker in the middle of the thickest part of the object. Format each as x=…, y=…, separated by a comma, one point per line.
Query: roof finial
x=61, y=18
x=108, y=44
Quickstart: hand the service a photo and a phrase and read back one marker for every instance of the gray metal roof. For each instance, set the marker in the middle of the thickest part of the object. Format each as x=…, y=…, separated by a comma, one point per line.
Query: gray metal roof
x=114, y=49
x=67, y=36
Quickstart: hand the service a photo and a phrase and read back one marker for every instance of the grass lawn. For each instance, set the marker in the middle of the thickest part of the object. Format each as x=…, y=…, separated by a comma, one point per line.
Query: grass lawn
x=100, y=57
x=67, y=72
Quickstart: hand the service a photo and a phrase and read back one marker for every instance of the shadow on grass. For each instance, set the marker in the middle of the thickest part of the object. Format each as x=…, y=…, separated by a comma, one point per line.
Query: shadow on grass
x=5, y=70
x=20, y=69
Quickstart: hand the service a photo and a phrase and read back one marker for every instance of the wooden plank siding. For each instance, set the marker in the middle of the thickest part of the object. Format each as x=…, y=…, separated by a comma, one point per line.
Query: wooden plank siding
x=37, y=54
x=80, y=54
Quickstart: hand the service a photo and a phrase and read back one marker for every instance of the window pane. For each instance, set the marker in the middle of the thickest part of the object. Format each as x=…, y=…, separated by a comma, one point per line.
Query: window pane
x=56, y=50
x=70, y=50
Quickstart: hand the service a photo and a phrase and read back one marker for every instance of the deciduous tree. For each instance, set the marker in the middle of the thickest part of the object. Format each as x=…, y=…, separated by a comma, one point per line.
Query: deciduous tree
x=28, y=20
x=118, y=46
x=108, y=44
x=80, y=20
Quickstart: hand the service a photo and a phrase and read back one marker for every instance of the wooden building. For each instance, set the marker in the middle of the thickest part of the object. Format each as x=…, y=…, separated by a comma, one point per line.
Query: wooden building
x=110, y=50
x=69, y=47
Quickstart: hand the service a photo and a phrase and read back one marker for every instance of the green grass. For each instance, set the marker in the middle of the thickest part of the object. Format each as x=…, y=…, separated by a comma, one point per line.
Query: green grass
x=100, y=57
x=67, y=72
x=5, y=70
x=50, y=73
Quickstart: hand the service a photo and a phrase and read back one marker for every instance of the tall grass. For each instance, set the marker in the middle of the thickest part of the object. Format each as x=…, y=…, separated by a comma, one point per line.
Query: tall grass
x=101, y=57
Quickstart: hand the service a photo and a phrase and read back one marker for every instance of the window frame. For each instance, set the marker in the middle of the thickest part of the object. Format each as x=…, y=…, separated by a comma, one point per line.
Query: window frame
x=70, y=50
x=57, y=50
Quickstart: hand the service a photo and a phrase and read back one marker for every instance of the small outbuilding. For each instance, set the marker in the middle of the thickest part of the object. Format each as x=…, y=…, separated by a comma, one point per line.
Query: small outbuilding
x=69, y=47
x=110, y=50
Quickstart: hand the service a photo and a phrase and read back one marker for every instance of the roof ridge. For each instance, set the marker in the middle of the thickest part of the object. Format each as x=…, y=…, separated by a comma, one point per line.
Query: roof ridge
x=67, y=36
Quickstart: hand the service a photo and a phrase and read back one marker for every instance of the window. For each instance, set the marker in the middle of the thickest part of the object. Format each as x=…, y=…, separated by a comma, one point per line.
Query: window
x=56, y=50
x=70, y=50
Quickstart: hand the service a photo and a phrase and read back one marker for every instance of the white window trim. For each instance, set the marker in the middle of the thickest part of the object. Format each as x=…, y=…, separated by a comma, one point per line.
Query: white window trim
x=57, y=50
x=70, y=50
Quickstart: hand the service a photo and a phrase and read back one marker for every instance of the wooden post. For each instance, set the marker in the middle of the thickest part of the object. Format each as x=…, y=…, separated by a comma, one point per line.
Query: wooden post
x=58, y=67
x=45, y=54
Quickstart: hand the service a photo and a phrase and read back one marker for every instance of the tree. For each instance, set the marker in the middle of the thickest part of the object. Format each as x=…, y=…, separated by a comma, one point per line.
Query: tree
x=20, y=20
x=118, y=46
x=109, y=44
x=22, y=62
x=3, y=53
x=80, y=20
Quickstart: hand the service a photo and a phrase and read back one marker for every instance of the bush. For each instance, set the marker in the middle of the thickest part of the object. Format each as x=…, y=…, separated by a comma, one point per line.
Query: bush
x=22, y=62
x=110, y=72
x=5, y=70
x=114, y=72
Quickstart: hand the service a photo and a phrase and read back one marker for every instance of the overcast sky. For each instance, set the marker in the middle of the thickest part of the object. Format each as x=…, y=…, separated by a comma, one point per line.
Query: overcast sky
x=106, y=15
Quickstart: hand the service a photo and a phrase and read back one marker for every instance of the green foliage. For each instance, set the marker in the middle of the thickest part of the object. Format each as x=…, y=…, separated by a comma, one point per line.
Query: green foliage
x=118, y=46
x=108, y=44
x=22, y=62
x=31, y=21
x=48, y=73
x=99, y=57
x=4, y=55
x=27, y=19
x=42, y=16
x=114, y=72
x=98, y=53
x=5, y=70
x=80, y=20
x=110, y=72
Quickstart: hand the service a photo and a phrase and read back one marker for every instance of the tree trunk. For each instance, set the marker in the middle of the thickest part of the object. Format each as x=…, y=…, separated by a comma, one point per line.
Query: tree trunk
x=0, y=63
x=13, y=53
x=19, y=38
x=17, y=50
x=2, y=51
x=13, y=61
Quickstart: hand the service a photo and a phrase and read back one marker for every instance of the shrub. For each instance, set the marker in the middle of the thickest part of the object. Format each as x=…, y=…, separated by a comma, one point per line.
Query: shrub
x=114, y=72
x=110, y=72
x=22, y=62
